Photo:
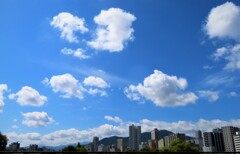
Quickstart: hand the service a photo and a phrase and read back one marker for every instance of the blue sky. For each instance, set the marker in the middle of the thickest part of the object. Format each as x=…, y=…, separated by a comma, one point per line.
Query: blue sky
x=70, y=71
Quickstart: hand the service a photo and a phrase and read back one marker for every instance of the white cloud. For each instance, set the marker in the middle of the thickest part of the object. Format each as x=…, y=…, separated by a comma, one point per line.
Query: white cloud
x=73, y=135
x=36, y=119
x=231, y=55
x=95, y=82
x=65, y=84
x=95, y=91
x=68, y=24
x=24, y=138
x=114, y=30
x=220, y=52
x=29, y=96
x=188, y=127
x=233, y=94
x=3, y=88
x=207, y=67
x=223, y=21
x=219, y=79
x=114, y=119
x=79, y=53
x=162, y=90
x=211, y=96
x=15, y=127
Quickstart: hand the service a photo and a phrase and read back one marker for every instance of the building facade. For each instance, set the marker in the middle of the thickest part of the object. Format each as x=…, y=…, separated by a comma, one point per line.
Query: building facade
x=209, y=145
x=198, y=139
x=33, y=147
x=134, y=137
x=95, y=143
x=15, y=146
x=169, y=139
x=120, y=145
x=236, y=139
x=155, y=134
x=218, y=140
x=228, y=132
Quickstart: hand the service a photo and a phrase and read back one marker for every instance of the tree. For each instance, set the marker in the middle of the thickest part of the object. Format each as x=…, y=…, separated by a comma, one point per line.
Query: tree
x=3, y=142
x=180, y=146
x=78, y=148
x=69, y=148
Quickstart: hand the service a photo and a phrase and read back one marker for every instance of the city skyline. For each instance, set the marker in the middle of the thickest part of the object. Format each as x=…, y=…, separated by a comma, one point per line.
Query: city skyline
x=71, y=71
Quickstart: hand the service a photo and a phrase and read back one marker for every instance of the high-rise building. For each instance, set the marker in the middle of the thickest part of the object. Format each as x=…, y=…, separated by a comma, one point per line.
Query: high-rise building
x=199, y=139
x=161, y=143
x=218, y=140
x=209, y=145
x=95, y=144
x=228, y=132
x=169, y=139
x=198, y=134
x=134, y=137
x=15, y=146
x=33, y=147
x=120, y=145
x=236, y=139
x=152, y=144
x=155, y=134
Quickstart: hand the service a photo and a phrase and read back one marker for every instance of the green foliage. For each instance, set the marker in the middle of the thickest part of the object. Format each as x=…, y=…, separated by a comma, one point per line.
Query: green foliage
x=180, y=146
x=3, y=142
x=129, y=150
x=147, y=149
x=78, y=148
x=69, y=148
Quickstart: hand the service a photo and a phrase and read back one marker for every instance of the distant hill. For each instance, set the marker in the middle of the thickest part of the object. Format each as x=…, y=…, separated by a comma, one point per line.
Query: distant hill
x=144, y=136
x=113, y=139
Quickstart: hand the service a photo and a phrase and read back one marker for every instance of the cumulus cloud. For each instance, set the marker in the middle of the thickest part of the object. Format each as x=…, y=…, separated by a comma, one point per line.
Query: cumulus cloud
x=68, y=24
x=36, y=119
x=69, y=86
x=114, y=30
x=29, y=96
x=79, y=53
x=223, y=22
x=73, y=135
x=3, y=88
x=95, y=82
x=114, y=119
x=211, y=96
x=231, y=55
x=65, y=84
x=162, y=90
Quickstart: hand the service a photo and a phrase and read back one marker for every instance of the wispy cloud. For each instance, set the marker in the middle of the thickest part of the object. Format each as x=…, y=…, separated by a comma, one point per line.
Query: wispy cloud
x=78, y=53
x=211, y=96
x=3, y=88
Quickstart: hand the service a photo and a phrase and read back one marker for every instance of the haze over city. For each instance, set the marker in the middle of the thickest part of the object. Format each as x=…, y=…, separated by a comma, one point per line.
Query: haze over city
x=74, y=70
